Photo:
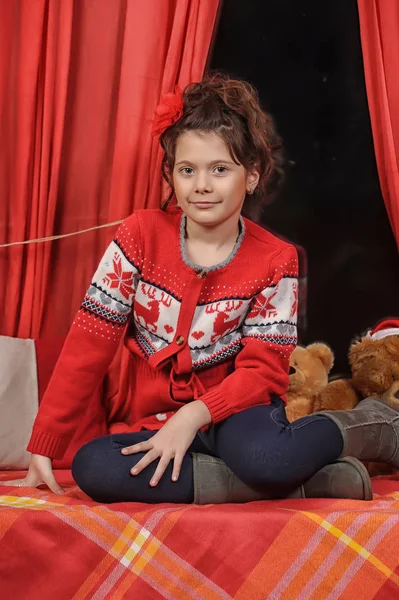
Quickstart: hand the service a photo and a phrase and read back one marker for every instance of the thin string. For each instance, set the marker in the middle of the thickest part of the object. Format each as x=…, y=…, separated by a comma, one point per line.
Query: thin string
x=59, y=237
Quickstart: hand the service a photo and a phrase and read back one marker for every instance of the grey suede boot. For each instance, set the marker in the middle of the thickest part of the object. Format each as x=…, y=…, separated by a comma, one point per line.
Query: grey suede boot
x=370, y=431
x=215, y=483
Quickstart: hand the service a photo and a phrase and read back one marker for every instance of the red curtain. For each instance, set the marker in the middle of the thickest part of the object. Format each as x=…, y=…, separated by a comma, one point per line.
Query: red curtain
x=79, y=83
x=379, y=28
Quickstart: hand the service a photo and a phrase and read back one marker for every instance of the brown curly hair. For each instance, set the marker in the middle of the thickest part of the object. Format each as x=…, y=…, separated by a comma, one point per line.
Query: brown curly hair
x=231, y=109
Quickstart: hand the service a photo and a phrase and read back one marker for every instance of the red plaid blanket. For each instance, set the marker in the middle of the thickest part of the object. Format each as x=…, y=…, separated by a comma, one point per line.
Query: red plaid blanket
x=68, y=547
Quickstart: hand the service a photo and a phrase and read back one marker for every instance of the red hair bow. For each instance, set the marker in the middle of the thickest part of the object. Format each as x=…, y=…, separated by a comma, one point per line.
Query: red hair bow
x=168, y=111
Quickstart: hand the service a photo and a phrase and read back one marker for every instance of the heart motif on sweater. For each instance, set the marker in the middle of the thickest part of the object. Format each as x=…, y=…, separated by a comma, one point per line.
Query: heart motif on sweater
x=105, y=299
x=169, y=328
x=209, y=350
x=122, y=309
x=91, y=291
x=197, y=334
x=282, y=328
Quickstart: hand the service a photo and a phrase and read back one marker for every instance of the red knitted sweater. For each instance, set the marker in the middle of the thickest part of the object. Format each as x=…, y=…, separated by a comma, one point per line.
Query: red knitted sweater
x=222, y=334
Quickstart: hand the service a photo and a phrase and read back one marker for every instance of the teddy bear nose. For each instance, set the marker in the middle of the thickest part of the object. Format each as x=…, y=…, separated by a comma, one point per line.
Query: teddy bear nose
x=292, y=371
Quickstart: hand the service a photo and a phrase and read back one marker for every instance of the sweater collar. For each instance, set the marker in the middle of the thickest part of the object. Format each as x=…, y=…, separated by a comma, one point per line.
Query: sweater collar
x=226, y=262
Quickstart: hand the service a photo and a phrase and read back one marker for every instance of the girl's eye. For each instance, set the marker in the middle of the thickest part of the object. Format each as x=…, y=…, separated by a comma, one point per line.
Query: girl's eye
x=221, y=169
x=186, y=170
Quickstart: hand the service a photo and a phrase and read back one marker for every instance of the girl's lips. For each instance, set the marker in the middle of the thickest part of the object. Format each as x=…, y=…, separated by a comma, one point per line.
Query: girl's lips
x=204, y=204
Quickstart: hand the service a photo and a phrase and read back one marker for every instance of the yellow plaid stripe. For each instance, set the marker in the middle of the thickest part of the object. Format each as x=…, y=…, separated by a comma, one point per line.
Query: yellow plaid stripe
x=340, y=535
x=137, y=557
x=126, y=553
x=26, y=502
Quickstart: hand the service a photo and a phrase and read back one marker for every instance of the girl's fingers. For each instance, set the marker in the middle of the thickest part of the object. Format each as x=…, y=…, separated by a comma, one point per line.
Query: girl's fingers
x=160, y=470
x=142, y=447
x=51, y=483
x=14, y=482
x=177, y=463
x=144, y=462
x=31, y=481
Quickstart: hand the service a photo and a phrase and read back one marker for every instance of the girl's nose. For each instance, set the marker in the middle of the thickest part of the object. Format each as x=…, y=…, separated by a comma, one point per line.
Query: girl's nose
x=202, y=184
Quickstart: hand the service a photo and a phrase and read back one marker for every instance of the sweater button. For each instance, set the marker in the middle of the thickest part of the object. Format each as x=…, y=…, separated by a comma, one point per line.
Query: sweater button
x=201, y=274
x=180, y=340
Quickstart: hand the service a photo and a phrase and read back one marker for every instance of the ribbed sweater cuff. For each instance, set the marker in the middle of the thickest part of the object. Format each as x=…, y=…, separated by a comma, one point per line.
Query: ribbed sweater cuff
x=46, y=444
x=217, y=405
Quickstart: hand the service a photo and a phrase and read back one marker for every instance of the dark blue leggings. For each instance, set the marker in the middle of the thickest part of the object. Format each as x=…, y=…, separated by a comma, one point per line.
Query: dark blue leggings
x=259, y=445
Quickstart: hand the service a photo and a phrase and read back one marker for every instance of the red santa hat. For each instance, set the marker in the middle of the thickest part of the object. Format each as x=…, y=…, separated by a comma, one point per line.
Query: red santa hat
x=384, y=329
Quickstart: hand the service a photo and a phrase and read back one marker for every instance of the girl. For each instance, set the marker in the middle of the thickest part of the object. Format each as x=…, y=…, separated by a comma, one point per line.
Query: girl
x=207, y=303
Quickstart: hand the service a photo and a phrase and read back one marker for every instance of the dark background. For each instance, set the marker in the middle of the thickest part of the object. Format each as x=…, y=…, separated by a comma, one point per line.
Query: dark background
x=305, y=58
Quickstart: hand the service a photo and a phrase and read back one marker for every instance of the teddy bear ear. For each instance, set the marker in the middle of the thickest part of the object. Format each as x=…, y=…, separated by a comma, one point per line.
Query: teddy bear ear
x=323, y=353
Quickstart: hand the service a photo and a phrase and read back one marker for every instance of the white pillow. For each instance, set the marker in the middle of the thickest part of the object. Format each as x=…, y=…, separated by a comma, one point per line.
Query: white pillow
x=19, y=400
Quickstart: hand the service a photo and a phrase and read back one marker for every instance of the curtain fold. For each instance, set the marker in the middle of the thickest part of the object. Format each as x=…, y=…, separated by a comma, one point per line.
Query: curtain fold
x=79, y=83
x=379, y=29
x=34, y=69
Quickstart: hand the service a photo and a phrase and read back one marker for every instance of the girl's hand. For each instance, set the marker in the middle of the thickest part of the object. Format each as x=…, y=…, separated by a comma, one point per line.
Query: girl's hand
x=172, y=441
x=40, y=472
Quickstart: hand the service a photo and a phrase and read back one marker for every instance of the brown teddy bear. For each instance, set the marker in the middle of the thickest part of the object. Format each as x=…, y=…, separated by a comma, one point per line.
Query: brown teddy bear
x=309, y=369
x=374, y=361
x=391, y=397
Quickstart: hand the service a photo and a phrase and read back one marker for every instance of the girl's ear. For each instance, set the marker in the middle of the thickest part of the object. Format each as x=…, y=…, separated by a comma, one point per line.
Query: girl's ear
x=168, y=172
x=252, y=178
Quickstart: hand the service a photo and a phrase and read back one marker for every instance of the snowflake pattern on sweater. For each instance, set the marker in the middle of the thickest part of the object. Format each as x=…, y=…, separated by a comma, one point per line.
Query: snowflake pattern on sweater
x=112, y=291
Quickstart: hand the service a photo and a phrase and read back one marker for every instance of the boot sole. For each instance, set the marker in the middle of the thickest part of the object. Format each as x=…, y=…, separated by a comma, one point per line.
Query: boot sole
x=361, y=469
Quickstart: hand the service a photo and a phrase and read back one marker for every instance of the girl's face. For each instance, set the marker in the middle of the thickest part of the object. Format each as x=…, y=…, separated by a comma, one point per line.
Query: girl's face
x=209, y=186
